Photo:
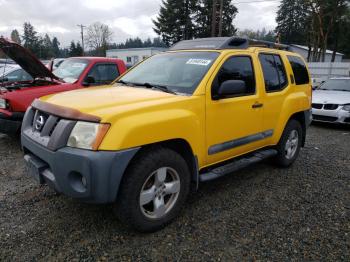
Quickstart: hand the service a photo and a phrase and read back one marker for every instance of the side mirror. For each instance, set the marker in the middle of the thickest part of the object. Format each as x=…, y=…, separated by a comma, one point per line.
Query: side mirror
x=89, y=80
x=231, y=88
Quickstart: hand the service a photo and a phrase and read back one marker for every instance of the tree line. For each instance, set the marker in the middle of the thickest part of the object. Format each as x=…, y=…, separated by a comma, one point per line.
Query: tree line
x=98, y=39
x=318, y=24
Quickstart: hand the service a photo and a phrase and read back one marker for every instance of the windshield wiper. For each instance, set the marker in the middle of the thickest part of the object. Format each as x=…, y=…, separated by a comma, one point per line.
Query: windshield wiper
x=345, y=90
x=125, y=83
x=158, y=87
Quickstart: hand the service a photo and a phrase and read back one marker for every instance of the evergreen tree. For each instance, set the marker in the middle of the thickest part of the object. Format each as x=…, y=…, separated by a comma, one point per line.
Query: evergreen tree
x=174, y=21
x=56, y=47
x=203, y=15
x=72, y=49
x=75, y=49
x=293, y=21
x=259, y=34
x=47, y=47
x=157, y=42
x=147, y=43
x=15, y=36
x=30, y=39
x=78, y=50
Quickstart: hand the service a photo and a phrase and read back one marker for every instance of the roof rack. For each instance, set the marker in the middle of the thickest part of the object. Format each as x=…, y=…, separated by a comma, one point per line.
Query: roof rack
x=217, y=43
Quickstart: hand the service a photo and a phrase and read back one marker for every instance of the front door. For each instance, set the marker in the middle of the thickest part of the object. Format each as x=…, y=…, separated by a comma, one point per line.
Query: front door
x=234, y=124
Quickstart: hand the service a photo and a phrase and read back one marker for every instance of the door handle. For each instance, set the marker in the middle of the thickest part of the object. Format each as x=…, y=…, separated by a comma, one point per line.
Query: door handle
x=257, y=105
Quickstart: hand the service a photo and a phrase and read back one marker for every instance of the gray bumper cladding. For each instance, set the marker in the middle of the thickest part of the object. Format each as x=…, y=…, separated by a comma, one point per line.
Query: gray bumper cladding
x=90, y=176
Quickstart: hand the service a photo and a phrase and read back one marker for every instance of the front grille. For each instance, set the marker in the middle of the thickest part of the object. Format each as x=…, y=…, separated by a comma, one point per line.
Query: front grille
x=48, y=130
x=324, y=118
x=317, y=106
x=331, y=106
x=43, y=123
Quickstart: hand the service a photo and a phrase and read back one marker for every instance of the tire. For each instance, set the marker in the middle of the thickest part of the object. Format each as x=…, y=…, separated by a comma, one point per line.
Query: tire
x=164, y=178
x=291, y=139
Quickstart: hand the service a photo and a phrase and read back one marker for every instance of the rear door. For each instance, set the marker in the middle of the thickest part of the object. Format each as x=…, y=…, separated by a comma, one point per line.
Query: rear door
x=276, y=88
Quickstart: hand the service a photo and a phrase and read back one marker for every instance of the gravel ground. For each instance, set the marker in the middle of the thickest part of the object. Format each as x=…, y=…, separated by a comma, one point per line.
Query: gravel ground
x=262, y=213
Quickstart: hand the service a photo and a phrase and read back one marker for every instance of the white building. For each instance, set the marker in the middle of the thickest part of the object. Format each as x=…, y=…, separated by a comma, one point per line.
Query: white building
x=304, y=51
x=132, y=56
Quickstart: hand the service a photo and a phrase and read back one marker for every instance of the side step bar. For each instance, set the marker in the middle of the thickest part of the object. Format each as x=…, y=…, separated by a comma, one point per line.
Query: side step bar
x=236, y=165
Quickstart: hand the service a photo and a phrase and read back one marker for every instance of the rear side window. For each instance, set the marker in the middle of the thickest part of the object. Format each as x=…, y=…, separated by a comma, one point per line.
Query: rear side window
x=236, y=68
x=299, y=70
x=274, y=72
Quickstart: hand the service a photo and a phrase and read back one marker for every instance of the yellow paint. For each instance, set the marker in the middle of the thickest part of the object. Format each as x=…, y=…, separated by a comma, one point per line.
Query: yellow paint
x=139, y=116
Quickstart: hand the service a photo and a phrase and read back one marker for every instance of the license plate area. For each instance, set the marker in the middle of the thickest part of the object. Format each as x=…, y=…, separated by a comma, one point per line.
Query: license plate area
x=35, y=167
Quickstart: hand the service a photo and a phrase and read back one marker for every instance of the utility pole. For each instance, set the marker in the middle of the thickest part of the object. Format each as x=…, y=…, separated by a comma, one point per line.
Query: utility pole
x=213, y=22
x=82, y=36
x=221, y=17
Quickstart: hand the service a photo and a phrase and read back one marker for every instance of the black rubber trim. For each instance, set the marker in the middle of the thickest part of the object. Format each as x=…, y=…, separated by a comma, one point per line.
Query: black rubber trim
x=239, y=142
x=103, y=170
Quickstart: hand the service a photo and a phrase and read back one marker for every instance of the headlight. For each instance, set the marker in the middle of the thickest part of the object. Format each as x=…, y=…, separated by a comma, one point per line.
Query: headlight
x=87, y=135
x=3, y=103
x=346, y=107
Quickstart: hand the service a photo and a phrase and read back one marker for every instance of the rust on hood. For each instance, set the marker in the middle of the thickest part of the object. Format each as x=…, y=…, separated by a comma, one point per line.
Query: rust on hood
x=64, y=112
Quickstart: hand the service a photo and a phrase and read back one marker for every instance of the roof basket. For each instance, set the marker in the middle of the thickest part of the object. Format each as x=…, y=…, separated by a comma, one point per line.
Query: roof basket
x=216, y=43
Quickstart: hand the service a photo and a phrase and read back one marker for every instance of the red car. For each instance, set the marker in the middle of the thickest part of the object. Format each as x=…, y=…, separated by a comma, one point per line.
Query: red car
x=73, y=73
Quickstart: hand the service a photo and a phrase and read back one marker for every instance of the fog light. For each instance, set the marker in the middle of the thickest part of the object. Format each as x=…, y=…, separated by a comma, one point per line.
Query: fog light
x=78, y=182
x=83, y=181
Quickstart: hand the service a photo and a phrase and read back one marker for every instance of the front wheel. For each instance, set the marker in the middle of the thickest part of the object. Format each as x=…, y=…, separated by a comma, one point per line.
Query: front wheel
x=154, y=189
x=289, y=146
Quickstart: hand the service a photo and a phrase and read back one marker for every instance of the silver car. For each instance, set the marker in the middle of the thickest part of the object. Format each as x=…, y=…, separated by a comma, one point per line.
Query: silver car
x=331, y=101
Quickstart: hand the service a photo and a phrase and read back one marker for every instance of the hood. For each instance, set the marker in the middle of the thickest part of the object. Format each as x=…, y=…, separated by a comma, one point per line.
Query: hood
x=102, y=101
x=24, y=58
x=330, y=97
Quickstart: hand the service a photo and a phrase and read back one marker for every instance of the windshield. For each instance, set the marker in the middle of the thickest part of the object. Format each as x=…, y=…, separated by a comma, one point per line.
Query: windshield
x=71, y=69
x=179, y=72
x=336, y=84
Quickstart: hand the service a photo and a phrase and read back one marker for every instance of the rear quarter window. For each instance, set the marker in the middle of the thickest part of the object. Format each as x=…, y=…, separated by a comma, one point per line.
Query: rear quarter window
x=300, y=72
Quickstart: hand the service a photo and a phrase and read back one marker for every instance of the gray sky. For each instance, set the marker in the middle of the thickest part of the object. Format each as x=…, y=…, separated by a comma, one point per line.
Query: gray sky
x=127, y=18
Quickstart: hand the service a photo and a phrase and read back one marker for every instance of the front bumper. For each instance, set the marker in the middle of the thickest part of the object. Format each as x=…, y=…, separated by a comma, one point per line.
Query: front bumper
x=10, y=124
x=338, y=116
x=89, y=176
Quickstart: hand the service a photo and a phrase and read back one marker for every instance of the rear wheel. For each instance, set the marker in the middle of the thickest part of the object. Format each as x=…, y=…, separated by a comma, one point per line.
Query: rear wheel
x=289, y=146
x=154, y=189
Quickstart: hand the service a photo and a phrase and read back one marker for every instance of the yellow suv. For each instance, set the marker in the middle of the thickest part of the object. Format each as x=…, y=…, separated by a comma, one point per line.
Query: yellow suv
x=204, y=109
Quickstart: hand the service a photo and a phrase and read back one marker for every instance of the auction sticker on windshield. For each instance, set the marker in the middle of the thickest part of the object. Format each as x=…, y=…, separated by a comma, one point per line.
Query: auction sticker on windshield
x=78, y=65
x=201, y=62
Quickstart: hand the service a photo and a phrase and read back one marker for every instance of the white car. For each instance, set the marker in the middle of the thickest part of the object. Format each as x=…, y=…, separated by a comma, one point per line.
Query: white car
x=14, y=73
x=331, y=101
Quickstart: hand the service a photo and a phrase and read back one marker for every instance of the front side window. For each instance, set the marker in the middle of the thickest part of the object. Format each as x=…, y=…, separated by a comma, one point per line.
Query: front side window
x=274, y=72
x=71, y=69
x=236, y=68
x=104, y=73
x=299, y=70
x=180, y=72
